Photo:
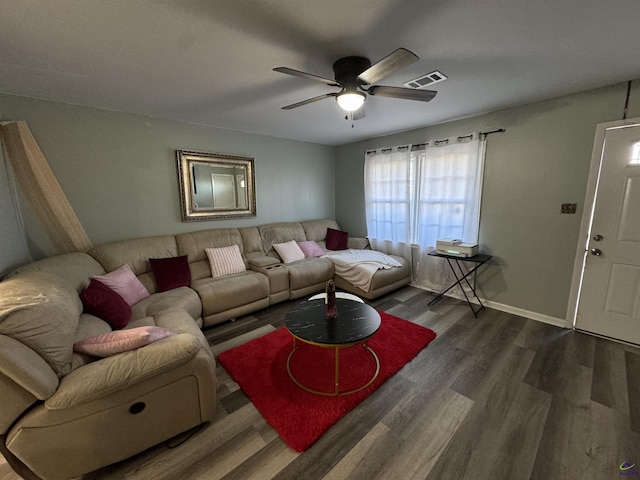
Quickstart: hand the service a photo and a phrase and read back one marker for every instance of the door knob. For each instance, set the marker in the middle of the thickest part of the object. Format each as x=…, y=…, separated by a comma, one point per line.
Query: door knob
x=596, y=251
x=597, y=238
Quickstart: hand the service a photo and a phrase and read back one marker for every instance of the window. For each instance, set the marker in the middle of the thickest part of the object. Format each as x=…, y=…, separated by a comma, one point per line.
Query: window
x=635, y=154
x=419, y=195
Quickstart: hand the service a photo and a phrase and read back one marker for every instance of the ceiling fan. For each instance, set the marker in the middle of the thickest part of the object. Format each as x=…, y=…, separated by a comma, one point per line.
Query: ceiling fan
x=354, y=75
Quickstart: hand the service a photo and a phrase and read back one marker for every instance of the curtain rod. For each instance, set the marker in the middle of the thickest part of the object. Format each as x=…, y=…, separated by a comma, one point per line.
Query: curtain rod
x=439, y=142
x=470, y=136
x=626, y=102
x=499, y=130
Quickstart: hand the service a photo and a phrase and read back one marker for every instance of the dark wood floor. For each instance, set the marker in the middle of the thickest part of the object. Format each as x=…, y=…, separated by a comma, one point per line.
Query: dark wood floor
x=498, y=397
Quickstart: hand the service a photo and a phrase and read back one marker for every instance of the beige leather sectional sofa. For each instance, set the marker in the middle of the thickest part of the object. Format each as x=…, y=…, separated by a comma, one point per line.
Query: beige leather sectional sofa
x=64, y=413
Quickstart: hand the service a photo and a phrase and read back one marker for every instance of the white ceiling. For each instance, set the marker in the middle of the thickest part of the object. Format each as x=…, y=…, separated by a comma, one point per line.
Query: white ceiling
x=210, y=61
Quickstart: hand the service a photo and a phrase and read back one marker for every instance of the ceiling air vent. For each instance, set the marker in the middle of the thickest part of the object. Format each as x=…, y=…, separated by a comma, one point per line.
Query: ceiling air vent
x=426, y=80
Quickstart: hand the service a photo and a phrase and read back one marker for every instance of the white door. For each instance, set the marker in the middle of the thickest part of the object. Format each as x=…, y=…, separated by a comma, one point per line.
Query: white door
x=224, y=193
x=609, y=299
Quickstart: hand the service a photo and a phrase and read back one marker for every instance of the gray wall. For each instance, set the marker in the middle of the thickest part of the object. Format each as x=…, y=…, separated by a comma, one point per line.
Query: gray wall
x=540, y=162
x=14, y=250
x=119, y=170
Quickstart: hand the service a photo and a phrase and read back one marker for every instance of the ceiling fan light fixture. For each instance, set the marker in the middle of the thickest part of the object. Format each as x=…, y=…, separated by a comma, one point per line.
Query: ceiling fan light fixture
x=350, y=101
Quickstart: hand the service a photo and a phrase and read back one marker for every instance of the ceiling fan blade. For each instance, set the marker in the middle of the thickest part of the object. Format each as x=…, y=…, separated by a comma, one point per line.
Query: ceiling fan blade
x=308, y=76
x=308, y=101
x=388, y=65
x=405, y=93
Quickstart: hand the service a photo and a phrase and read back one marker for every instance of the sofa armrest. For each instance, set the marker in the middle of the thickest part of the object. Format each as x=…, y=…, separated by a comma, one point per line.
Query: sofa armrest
x=112, y=374
x=26, y=368
x=263, y=262
x=358, y=243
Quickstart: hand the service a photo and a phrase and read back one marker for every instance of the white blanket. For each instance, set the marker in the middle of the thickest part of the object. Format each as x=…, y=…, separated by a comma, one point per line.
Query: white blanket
x=358, y=266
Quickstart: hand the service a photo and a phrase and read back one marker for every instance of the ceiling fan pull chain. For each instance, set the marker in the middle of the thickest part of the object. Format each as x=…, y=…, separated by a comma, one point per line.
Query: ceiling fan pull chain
x=346, y=117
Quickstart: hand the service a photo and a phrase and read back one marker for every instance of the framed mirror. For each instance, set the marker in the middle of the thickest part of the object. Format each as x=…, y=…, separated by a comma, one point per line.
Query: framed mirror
x=215, y=186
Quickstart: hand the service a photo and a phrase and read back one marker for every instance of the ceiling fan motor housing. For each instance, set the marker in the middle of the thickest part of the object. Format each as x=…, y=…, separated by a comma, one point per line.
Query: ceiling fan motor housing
x=347, y=69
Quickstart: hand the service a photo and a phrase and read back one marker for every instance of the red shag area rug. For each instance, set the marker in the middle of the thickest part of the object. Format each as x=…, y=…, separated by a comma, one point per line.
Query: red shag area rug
x=260, y=368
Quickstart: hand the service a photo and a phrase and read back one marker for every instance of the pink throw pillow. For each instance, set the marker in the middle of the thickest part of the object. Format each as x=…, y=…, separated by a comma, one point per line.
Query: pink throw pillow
x=289, y=251
x=107, y=344
x=336, y=239
x=311, y=249
x=170, y=273
x=101, y=301
x=225, y=260
x=125, y=283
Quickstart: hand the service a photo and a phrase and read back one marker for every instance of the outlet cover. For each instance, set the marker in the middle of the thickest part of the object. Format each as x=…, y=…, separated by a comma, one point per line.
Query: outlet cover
x=568, y=208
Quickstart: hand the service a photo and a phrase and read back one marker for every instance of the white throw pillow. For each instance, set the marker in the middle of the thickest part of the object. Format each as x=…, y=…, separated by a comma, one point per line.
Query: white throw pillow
x=289, y=251
x=225, y=260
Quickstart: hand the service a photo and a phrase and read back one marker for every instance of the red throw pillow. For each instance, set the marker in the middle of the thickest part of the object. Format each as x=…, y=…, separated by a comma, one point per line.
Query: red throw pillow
x=171, y=272
x=101, y=301
x=336, y=239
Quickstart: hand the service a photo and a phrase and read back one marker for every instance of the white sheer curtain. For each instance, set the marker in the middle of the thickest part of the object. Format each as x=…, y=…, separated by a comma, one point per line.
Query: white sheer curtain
x=415, y=195
x=389, y=177
x=449, y=195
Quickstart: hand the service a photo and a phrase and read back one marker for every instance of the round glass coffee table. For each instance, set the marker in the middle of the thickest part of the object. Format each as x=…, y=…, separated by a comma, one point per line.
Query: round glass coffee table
x=355, y=324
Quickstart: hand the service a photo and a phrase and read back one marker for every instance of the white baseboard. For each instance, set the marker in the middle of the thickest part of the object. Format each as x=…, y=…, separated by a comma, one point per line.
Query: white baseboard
x=539, y=317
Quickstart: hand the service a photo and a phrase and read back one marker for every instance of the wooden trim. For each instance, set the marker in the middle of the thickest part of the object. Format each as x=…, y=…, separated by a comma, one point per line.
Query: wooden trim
x=42, y=190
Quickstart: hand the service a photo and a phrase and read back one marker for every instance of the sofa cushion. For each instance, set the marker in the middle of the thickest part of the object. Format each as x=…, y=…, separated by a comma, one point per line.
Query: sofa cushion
x=193, y=244
x=386, y=277
x=183, y=298
x=251, y=241
x=109, y=375
x=124, y=282
x=225, y=260
x=308, y=272
x=337, y=239
x=179, y=321
x=311, y=249
x=136, y=253
x=317, y=229
x=170, y=273
x=358, y=243
x=224, y=293
x=101, y=301
x=112, y=343
x=24, y=367
x=72, y=268
x=289, y=251
x=42, y=313
x=279, y=233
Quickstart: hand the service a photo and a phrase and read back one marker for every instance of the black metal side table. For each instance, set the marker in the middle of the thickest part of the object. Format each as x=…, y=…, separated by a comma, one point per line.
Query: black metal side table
x=479, y=260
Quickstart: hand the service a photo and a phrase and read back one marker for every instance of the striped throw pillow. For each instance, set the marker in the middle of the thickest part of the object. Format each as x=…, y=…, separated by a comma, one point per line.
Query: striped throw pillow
x=225, y=260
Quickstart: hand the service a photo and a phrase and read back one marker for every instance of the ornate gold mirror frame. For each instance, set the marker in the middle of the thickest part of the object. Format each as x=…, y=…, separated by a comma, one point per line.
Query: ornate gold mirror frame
x=215, y=186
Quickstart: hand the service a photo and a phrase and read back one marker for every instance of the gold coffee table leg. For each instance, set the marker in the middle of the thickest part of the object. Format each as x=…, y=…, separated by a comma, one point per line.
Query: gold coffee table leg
x=337, y=391
x=337, y=372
